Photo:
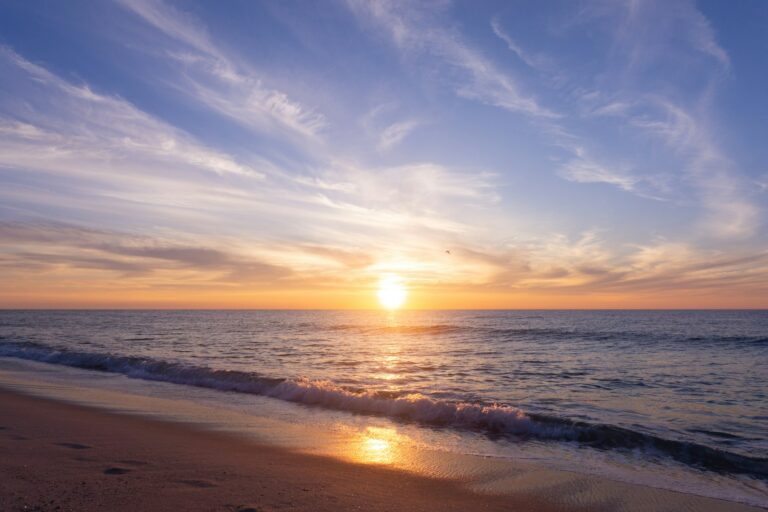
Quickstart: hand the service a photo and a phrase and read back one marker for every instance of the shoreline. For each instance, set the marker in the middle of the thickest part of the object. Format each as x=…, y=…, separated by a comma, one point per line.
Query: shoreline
x=60, y=456
x=75, y=457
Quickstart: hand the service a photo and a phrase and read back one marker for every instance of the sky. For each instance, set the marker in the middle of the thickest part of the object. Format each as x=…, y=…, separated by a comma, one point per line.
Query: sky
x=292, y=154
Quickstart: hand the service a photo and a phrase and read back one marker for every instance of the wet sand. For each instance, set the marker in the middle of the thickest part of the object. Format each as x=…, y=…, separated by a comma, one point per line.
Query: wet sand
x=58, y=456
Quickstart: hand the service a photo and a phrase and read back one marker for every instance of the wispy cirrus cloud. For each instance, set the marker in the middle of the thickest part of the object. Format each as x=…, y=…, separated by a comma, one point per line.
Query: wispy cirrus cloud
x=644, y=30
x=646, y=37
x=534, y=61
x=470, y=73
x=56, y=125
x=223, y=83
x=414, y=31
x=393, y=134
x=581, y=169
x=688, y=135
x=719, y=184
x=126, y=167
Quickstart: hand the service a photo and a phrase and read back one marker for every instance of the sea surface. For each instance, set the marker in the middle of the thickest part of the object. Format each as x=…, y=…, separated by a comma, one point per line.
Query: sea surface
x=686, y=390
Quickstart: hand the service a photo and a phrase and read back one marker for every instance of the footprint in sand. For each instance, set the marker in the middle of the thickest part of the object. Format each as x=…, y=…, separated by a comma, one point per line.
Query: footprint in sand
x=74, y=446
x=256, y=508
x=197, y=483
x=131, y=462
x=116, y=471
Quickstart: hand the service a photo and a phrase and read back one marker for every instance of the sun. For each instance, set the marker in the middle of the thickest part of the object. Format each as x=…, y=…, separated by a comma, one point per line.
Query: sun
x=392, y=292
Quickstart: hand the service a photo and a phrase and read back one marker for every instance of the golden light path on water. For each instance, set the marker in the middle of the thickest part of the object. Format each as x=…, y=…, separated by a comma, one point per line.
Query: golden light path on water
x=374, y=444
x=432, y=453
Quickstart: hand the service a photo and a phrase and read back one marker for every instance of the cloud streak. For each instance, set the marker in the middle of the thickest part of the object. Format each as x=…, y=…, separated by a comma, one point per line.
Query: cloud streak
x=532, y=61
x=393, y=134
x=219, y=81
x=645, y=37
x=720, y=186
x=53, y=246
x=117, y=162
x=582, y=169
x=473, y=76
x=39, y=133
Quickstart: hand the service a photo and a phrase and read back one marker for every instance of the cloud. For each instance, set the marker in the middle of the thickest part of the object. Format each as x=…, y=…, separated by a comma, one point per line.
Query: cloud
x=702, y=36
x=471, y=75
x=416, y=32
x=227, y=86
x=582, y=169
x=415, y=188
x=717, y=181
x=590, y=266
x=57, y=245
x=647, y=37
x=678, y=266
x=55, y=125
x=534, y=62
x=346, y=258
x=42, y=263
x=645, y=32
x=71, y=153
x=395, y=133
x=176, y=24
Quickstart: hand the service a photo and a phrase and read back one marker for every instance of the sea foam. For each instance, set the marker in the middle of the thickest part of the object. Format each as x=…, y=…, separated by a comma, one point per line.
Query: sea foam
x=492, y=419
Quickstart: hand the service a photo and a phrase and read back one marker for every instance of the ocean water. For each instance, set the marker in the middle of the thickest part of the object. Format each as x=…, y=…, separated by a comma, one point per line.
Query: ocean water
x=682, y=389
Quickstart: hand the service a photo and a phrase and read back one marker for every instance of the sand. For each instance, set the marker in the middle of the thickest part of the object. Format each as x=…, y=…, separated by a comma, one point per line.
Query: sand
x=59, y=456
x=56, y=455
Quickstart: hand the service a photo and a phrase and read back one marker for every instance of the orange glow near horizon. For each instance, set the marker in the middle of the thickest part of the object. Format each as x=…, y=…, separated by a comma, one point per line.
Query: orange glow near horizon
x=117, y=298
x=48, y=292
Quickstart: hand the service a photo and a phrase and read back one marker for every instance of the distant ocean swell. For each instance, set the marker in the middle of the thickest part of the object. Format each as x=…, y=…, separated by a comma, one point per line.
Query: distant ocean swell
x=490, y=419
x=542, y=333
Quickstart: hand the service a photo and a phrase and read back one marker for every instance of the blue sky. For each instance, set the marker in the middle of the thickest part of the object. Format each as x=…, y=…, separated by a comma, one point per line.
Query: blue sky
x=592, y=153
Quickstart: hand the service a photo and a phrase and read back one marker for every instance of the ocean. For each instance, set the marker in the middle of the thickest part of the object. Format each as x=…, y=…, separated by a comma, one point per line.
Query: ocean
x=633, y=393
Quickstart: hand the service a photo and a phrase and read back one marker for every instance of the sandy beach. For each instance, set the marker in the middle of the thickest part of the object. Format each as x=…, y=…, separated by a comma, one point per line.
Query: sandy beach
x=57, y=456
x=61, y=456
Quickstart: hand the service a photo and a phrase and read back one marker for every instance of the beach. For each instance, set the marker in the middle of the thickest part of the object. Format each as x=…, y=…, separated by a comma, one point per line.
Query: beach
x=58, y=456
x=62, y=456
x=367, y=411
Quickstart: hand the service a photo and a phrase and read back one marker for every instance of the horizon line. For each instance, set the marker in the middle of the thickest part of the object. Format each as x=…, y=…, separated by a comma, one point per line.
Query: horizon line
x=380, y=309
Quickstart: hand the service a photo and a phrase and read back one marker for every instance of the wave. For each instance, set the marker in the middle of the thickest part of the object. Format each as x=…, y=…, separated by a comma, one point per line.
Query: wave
x=747, y=340
x=493, y=419
x=400, y=329
x=552, y=333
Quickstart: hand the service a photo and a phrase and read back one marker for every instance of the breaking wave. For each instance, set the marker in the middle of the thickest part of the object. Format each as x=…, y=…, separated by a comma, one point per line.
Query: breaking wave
x=493, y=419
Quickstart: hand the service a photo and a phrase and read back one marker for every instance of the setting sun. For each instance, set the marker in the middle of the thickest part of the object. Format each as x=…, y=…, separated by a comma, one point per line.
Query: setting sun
x=392, y=292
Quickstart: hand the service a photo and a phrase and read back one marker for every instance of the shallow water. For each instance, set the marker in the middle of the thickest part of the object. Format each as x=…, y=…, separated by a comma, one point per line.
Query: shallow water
x=666, y=389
